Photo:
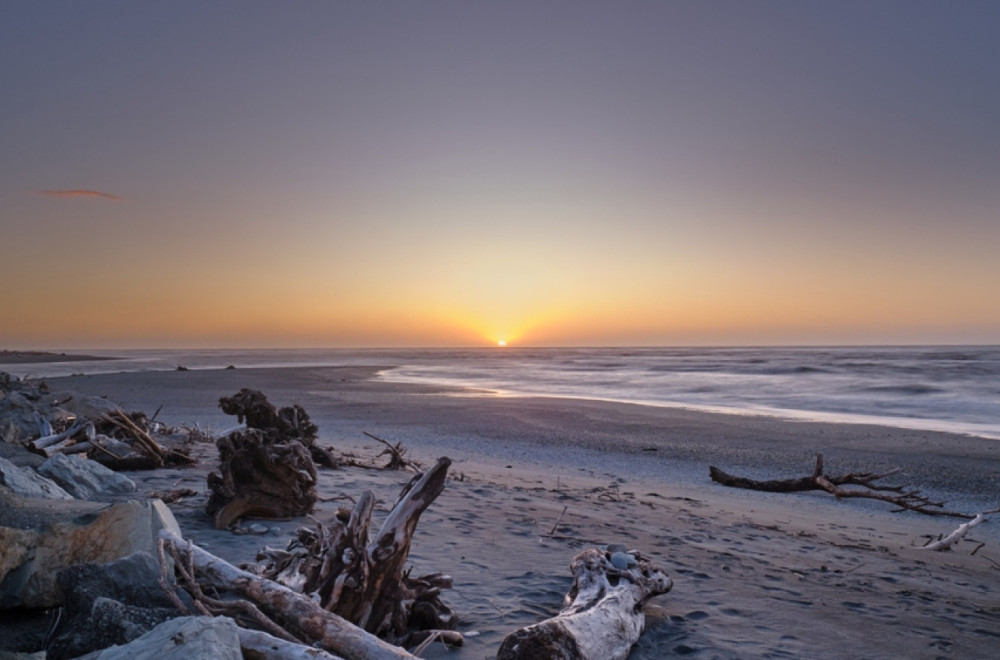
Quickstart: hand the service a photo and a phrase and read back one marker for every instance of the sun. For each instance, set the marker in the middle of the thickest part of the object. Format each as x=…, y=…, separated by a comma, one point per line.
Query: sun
x=502, y=343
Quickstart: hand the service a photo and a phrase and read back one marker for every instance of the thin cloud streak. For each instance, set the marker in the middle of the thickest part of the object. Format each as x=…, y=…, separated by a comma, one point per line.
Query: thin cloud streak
x=79, y=193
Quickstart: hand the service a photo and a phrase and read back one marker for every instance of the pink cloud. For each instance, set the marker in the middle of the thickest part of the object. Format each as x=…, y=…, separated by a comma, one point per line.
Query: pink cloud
x=79, y=193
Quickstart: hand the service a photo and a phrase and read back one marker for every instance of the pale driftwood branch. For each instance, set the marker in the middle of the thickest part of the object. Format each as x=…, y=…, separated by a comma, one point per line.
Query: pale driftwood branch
x=602, y=617
x=960, y=532
x=48, y=441
x=296, y=613
x=909, y=500
x=257, y=645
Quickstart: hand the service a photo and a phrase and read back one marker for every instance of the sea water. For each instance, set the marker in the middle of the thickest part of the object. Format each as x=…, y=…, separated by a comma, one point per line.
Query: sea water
x=951, y=388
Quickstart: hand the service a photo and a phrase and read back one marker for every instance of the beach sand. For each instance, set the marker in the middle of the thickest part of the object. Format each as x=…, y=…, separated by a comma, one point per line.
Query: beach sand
x=755, y=574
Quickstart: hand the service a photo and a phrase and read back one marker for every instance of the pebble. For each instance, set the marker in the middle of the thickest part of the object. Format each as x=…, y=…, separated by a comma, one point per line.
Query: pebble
x=621, y=560
x=257, y=528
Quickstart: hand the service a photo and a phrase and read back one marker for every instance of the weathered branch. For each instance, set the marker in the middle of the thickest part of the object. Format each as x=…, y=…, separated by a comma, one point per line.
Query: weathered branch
x=910, y=500
x=959, y=533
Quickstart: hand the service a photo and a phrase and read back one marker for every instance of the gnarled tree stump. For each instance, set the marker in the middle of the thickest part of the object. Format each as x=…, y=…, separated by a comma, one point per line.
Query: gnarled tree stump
x=602, y=617
x=262, y=478
x=268, y=470
x=290, y=423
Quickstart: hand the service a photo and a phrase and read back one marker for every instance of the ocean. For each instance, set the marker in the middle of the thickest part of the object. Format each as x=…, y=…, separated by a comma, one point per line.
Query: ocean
x=945, y=388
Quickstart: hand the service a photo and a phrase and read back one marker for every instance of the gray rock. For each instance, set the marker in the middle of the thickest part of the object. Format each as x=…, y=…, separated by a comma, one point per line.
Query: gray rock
x=108, y=604
x=617, y=547
x=84, y=478
x=133, y=580
x=33, y=554
x=28, y=483
x=622, y=560
x=184, y=638
x=108, y=623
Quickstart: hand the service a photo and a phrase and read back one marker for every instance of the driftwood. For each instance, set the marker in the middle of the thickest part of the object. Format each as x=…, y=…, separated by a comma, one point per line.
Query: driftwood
x=959, y=533
x=290, y=423
x=364, y=580
x=260, y=477
x=137, y=448
x=395, y=453
x=602, y=616
x=268, y=469
x=909, y=500
x=296, y=615
x=257, y=645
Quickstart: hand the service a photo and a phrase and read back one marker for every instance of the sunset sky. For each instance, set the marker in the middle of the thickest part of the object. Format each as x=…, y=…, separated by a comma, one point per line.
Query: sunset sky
x=264, y=174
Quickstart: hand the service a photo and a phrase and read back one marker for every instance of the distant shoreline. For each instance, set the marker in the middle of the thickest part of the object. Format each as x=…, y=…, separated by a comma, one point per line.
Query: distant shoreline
x=28, y=357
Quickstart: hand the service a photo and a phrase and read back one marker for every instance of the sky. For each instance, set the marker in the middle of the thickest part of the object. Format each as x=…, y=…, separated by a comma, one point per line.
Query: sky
x=426, y=173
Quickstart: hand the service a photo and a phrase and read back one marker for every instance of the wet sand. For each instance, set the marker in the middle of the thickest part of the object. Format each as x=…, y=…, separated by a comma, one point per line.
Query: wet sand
x=756, y=574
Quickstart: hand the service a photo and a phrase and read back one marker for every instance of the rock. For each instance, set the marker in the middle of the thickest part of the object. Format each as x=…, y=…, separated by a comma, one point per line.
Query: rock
x=259, y=529
x=108, y=623
x=84, y=478
x=48, y=538
x=133, y=580
x=621, y=560
x=28, y=483
x=184, y=638
x=109, y=604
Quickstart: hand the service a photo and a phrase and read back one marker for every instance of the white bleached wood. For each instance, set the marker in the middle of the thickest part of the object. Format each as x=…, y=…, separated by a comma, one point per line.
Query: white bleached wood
x=602, y=617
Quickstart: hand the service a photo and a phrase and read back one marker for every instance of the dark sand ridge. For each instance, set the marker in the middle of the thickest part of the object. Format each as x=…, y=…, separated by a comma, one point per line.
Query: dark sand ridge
x=755, y=574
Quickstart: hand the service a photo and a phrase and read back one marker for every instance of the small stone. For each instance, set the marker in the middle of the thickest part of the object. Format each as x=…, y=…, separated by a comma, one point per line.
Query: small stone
x=259, y=529
x=621, y=560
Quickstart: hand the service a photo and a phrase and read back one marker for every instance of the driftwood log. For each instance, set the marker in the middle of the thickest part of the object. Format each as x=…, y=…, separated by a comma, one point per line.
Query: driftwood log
x=364, y=580
x=909, y=500
x=602, y=617
x=297, y=616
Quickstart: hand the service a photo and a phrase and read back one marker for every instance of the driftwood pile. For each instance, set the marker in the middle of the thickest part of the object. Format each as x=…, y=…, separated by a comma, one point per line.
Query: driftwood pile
x=334, y=587
x=366, y=581
x=50, y=423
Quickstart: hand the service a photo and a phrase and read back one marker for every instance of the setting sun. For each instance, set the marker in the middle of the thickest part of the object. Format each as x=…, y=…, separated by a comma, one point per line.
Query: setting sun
x=502, y=342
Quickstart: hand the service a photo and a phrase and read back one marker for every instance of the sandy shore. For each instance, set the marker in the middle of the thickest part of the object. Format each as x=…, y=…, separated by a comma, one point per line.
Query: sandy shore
x=756, y=574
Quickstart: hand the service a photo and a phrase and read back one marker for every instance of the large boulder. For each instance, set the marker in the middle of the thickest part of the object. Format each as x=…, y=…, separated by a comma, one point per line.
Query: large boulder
x=108, y=604
x=25, y=482
x=184, y=638
x=108, y=623
x=84, y=478
x=46, y=536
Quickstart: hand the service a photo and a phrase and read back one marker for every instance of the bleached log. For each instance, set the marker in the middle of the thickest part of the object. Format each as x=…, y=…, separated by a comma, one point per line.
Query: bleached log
x=257, y=645
x=78, y=448
x=602, y=616
x=49, y=440
x=296, y=613
x=957, y=535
